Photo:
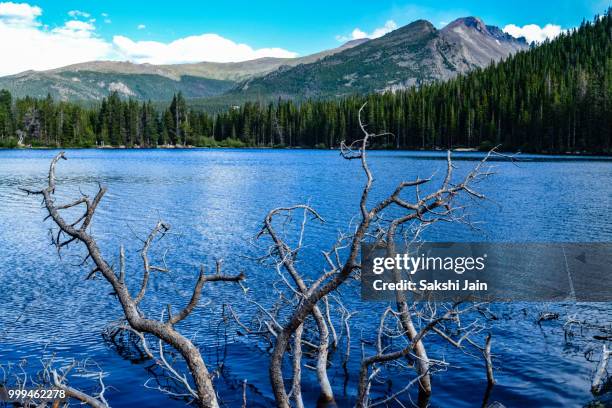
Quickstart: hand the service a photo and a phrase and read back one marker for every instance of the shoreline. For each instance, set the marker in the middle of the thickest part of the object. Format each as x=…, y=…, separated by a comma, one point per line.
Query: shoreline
x=179, y=147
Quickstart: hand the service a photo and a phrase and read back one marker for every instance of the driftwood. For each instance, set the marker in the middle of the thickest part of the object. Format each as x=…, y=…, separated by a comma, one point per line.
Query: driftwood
x=57, y=378
x=287, y=257
x=489, y=361
x=426, y=209
x=59, y=381
x=600, y=378
x=164, y=330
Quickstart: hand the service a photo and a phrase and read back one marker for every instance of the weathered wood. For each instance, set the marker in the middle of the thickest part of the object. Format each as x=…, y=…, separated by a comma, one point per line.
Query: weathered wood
x=601, y=373
x=164, y=331
x=489, y=361
x=441, y=199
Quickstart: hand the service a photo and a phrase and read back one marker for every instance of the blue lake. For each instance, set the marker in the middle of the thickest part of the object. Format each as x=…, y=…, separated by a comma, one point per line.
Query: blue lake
x=216, y=200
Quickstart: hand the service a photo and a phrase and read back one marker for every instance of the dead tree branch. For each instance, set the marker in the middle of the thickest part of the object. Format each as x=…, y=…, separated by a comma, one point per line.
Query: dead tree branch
x=99, y=402
x=286, y=258
x=77, y=231
x=600, y=378
x=429, y=208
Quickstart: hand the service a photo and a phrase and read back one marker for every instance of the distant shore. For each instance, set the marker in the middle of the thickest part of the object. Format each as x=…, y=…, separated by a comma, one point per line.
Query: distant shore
x=380, y=148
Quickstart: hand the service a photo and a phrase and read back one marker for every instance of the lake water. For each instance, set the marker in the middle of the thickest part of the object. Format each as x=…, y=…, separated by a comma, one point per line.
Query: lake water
x=215, y=201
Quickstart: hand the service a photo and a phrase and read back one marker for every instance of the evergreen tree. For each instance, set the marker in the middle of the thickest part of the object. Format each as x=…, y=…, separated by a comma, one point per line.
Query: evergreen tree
x=556, y=97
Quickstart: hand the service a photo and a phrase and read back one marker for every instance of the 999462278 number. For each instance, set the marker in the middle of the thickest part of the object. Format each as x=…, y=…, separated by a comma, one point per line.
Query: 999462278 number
x=8, y=394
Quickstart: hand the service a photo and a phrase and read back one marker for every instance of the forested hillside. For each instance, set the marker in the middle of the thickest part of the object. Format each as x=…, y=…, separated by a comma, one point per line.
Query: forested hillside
x=556, y=97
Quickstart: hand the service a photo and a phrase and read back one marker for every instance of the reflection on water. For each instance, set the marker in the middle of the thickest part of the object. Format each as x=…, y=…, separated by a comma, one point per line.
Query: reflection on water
x=216, y=200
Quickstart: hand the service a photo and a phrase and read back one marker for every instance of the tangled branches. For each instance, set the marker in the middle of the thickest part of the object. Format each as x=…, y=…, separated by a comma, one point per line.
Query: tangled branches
x=424, y=210
x=136, y=321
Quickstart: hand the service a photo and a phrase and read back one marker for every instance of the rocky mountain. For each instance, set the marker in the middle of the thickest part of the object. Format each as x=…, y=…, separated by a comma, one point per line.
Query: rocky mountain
x=478, y=43
x=94, y=80
x=411, y=55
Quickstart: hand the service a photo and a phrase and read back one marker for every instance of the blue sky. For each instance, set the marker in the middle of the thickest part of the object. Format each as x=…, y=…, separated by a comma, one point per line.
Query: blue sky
x=144, y=31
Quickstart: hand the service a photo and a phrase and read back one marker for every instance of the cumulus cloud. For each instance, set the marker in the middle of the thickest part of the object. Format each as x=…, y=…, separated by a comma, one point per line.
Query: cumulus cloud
x=19, y=14
x=357, y=33
x=141, y=26
x=205, y=47
x=35, y=46
x=533, y=32
x=75, y=28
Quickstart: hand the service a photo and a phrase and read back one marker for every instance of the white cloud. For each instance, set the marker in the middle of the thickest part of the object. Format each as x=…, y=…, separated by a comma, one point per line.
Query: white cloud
x=38, y=48
x=357, y=33
x=77, y=25
x=389, y=26
x=32, y=45
x=75, y=29
x=141, y=26
x=533, y=32
x=205, y=47
x=78, y=13
x=21, y=14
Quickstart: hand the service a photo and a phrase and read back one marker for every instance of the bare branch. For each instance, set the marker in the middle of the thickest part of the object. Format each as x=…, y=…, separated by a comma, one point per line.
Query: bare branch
x=600, y=378
x=197, y=292
x=204, y=392
x=160, y=228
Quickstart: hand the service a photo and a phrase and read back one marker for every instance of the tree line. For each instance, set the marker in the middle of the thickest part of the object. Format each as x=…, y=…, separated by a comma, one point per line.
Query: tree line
x=556, y=97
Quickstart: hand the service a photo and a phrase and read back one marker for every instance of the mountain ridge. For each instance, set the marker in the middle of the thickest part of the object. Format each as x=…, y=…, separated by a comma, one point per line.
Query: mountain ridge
x=94, y=80
x=234, y=71
x=414, y=54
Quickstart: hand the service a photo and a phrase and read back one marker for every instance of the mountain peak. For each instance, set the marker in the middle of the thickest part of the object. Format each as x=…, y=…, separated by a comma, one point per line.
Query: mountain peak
x=471, y=22
x=423, y=25
x=480, y=43
x=413, y=32
x=466, y=24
